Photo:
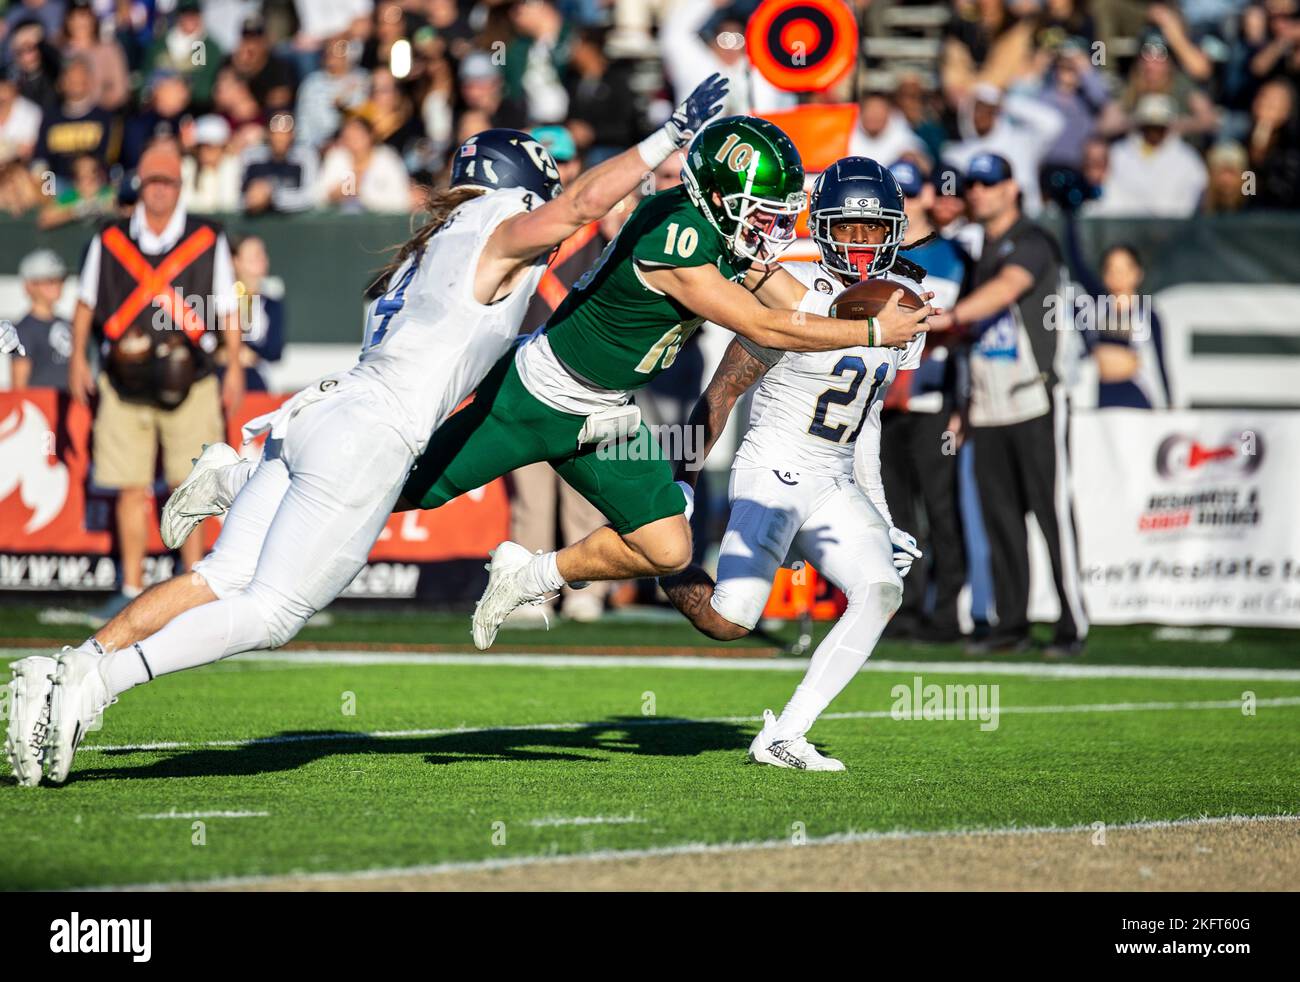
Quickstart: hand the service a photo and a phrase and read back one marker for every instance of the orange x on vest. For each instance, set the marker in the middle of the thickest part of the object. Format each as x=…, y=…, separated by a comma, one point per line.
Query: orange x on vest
x=154, y=283
x=551, y=289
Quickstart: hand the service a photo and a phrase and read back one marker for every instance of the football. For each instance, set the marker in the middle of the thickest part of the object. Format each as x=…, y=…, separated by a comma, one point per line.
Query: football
x=868, y=299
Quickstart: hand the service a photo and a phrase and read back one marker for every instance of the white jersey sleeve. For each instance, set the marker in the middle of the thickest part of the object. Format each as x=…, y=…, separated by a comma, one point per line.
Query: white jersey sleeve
x=866, y=462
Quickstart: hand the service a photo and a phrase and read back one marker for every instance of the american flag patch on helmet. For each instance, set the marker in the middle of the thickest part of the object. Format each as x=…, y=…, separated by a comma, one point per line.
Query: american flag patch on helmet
x=468, y=150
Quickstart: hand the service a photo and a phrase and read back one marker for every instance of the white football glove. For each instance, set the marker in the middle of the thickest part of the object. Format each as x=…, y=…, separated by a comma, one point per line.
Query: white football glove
x=905, y=550
x=9, y=343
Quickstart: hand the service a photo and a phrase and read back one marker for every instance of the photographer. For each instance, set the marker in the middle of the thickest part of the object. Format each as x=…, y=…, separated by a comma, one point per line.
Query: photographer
x=139, y=279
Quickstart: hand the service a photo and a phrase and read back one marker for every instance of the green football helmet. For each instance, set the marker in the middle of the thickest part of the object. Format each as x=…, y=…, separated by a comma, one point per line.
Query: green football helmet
x=746, y=177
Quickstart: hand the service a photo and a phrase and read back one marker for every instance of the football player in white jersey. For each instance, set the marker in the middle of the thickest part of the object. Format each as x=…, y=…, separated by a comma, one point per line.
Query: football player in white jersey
x=795, y=480
x=303, y=522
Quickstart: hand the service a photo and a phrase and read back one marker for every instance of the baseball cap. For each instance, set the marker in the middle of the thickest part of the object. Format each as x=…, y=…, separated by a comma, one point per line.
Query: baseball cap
x=159, y=160
x=476, y=67
x=988, y=168
x=909, y=177
x=948, y=180
x=1154, y=110
x=558, y=140
x=43, y=264
x=211, y=130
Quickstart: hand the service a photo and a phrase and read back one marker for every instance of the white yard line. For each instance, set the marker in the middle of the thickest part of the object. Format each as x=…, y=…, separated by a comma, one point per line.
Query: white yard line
x=561, y=660
x=556, y=822
x=598, y=725
x=691, y=848
x=216, y=814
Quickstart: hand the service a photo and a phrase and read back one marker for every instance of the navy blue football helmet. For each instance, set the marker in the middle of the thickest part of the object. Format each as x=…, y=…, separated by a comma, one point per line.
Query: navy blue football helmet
x=502, y=158
x=854, y=189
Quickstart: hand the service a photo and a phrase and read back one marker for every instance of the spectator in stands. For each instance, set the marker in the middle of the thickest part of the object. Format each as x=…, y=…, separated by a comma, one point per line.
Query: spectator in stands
x=433, y=87
x=87, y=197
x=261, y=311
x=482, y=93
x=698, y=38
x=883, y=132
x=948, y=212
x=34, y=66
x=269, y=77
x=326, y=93
x=389, y=27
x=358, y=175
x=78, y=126
x=536, y=58
x=919, y=466
x=451, y=21
x=165, y=114
x=139, y=407
x=600, y=98
x=280, y=175
x=1153, y=171
x=107, y=60
x=1130, y=345
x=234, y=100
x=1081, y=95
x=1015, y=126
x=210, y=176
x=20, y=189
x=1274, y=146
x=976, y=27
x=186, y=49
x=45, y=336
x=1155, y=73
x=911, y=98
x=47, y=13
x=20, y=122
x=1018, y=413
x=1227, y=163
x=1273, y=47
x=390, y=113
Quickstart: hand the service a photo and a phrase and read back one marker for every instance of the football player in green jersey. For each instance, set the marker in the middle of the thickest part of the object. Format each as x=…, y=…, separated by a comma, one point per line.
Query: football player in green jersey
x=707, y=250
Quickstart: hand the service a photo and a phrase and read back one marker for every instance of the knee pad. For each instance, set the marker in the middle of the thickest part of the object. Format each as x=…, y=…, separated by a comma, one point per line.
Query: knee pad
x=739, y=603
x=280, y=618
x=885, y=596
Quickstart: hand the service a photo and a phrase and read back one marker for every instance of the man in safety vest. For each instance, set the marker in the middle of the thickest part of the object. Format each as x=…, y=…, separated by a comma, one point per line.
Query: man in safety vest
x=158, y=293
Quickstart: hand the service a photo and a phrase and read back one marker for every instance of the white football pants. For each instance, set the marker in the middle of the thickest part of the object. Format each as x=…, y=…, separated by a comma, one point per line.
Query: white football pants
x=297, y=534
x=832, y=524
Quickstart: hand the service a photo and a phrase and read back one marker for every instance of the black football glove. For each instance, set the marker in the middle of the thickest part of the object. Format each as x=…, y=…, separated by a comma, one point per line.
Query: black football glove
x=697, y=109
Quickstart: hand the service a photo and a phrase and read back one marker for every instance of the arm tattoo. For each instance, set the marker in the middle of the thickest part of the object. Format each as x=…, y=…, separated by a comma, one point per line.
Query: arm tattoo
x=737, y=371
x=689, y=591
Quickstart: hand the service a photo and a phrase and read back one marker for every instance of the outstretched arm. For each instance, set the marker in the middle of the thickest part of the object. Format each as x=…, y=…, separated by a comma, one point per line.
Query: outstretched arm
x=708, y=294
x=691, y=592
x=738, y=370
x=592, y=194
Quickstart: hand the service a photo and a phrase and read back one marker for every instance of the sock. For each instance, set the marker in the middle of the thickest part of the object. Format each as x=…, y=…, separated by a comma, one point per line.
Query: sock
x=231, y=479
x=838, y=658
x=541, y=575
x=125, y=669
x=131, y=592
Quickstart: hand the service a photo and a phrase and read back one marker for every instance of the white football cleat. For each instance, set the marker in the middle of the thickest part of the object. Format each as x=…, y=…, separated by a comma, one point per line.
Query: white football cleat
x=77, y=705
x=503, y=594
x=29, y=716
x=199, y=496
x=796, y=753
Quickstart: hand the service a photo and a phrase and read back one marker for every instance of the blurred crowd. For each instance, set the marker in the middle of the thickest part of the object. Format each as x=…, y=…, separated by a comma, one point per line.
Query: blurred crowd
x=1113, y=107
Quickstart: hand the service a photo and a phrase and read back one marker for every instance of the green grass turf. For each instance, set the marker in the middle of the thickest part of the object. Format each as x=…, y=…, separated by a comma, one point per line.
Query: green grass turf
x=1135, y=645
x=364, y=802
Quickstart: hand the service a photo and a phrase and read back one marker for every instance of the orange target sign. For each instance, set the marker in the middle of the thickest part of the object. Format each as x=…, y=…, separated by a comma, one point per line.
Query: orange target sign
x=802, y=45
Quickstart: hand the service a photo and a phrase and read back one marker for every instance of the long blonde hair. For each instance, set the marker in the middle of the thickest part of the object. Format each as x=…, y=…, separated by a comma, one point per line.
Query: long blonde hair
x=436, y=209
